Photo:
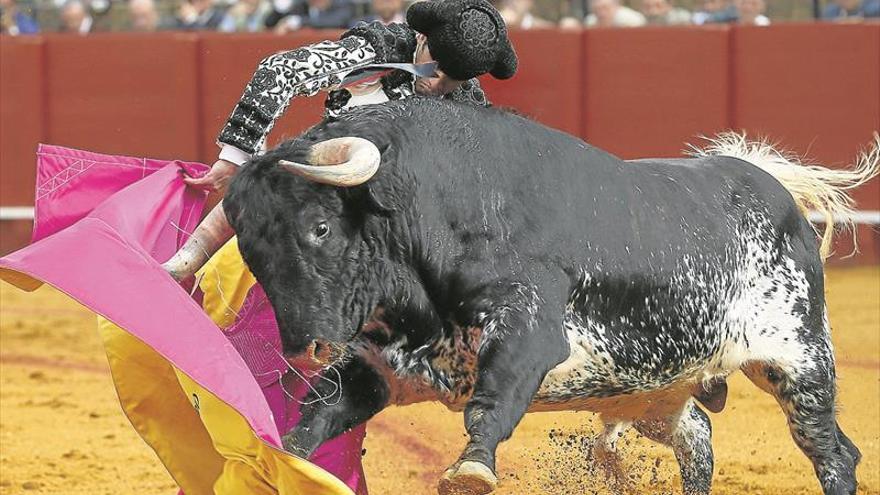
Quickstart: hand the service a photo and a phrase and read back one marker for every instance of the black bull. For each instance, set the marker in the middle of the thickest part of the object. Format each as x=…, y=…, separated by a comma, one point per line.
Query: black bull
x=501, y=266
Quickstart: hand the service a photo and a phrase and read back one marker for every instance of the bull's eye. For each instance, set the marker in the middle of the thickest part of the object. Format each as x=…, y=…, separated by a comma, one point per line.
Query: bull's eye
x=322, y=230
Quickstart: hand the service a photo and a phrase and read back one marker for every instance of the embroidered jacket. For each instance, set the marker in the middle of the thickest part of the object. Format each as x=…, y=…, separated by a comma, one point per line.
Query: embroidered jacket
x=306, y=71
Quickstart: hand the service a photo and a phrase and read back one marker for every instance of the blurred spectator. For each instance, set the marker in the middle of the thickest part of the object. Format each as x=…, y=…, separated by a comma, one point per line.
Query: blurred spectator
x=289, y=15
x=14, y=21
x=662, y=13
x=610, y=13
x=143, y=16
x=751, y=12
x=195, y=15
x=569, y=22
x=518, y=14
x=386, y=12
x=850, y=10
x=75, y=18
x=715, y=11
x=246, y=16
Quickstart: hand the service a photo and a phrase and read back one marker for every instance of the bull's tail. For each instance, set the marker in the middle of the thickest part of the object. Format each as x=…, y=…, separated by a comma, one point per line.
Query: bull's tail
x=813, y=187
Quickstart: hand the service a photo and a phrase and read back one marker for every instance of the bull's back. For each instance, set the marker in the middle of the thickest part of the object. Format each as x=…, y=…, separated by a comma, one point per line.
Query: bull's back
x=532, y=189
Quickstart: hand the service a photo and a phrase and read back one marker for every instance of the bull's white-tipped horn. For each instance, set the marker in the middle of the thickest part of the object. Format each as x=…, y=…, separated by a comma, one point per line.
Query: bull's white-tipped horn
x=208, y=237
x=345, y=161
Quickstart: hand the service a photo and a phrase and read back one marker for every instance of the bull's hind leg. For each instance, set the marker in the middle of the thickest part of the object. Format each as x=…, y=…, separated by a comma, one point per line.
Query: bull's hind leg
x=806, y=393
x=608, y=458
x=690, y=436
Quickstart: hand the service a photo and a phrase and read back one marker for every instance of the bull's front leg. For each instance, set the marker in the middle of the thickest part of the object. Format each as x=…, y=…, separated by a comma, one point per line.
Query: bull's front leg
x=363, y=394
x=522, y=340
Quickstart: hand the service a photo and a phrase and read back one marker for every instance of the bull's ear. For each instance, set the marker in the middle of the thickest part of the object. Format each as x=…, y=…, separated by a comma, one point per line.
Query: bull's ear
x=385, y=193
x=379, y=203
x=378, y=196
x=362, y=200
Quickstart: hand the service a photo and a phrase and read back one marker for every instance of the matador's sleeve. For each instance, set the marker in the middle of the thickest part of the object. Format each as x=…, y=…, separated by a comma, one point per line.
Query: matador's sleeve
x=280, y=77
x=306, y=71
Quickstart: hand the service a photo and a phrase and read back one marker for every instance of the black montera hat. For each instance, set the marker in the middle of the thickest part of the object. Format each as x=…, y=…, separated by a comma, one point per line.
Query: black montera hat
x=467, y=38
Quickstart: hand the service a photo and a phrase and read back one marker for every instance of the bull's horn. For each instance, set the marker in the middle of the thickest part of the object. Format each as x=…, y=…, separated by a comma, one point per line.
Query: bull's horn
x=345, y=161
x=208, y=237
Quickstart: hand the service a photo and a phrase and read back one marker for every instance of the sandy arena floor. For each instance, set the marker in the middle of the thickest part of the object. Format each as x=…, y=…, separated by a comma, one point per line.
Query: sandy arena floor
x=62, y=431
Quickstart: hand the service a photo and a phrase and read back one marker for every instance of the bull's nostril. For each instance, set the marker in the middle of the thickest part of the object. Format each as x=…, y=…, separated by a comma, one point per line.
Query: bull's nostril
x=321, y=351
x=318, y=348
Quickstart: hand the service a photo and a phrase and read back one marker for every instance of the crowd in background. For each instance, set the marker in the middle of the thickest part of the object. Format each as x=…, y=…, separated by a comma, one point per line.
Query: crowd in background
x=20, y=17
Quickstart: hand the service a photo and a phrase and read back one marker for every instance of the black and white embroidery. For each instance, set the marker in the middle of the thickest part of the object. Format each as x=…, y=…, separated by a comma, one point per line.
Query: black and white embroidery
x=280, y=77
x=470, y=92
x=306, y=71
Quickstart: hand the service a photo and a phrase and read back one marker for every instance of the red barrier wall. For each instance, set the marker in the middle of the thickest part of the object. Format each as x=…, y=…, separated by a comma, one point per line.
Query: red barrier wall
x=635, y=92
x=22, y=110
x=124, y=94
x=548, y=84
x=648, y=91
x=816, y=91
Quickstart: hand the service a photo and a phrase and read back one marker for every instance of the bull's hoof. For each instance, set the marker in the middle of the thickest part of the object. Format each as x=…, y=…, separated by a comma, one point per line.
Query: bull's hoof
x=469, y=478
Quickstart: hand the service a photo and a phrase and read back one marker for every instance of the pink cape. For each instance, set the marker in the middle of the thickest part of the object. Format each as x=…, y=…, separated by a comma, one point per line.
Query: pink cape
x=102, y=226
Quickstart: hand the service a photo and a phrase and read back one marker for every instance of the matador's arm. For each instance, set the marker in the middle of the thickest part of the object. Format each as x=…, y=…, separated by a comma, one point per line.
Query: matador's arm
x=304, y=72
x=467, y=38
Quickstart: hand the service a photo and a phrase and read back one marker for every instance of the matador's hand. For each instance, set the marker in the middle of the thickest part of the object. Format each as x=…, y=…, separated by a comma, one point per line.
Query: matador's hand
x=217, y=179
